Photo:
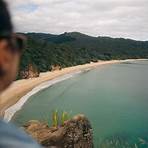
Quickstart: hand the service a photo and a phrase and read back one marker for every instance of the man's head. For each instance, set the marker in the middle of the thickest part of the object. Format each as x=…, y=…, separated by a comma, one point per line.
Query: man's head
x=10, y=48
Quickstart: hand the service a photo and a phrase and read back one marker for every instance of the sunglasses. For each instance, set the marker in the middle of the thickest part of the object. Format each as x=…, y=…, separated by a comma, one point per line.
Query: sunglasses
x=17, y=42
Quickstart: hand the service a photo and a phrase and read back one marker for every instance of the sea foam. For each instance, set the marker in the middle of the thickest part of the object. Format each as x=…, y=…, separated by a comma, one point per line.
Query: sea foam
x=9, y=113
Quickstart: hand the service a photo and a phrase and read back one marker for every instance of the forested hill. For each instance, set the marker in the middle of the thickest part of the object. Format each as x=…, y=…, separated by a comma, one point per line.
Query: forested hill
x=74, y=48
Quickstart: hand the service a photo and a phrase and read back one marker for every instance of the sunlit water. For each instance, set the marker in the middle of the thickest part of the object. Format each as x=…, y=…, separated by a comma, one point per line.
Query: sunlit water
x=113, y=97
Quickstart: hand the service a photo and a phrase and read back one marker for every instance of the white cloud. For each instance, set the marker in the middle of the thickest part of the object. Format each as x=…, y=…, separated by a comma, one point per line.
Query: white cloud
x=117, y=18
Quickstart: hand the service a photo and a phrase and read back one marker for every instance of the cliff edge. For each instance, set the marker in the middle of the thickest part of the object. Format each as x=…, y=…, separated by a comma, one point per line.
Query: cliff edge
x=74, y=133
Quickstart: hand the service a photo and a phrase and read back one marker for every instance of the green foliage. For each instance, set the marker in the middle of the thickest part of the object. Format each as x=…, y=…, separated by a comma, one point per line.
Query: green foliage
x=123, y=142
x=70, y=49
x=64, y=117
x=55, y=119
x=58, y=120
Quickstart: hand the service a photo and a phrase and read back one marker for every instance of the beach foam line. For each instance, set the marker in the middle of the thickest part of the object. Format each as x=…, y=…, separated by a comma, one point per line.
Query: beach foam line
x=9, y=113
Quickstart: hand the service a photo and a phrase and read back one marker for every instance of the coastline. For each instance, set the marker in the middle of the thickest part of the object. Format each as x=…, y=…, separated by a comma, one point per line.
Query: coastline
x=19, y=92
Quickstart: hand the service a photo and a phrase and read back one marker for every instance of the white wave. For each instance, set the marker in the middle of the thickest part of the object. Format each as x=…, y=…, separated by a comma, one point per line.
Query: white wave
x=9, y=113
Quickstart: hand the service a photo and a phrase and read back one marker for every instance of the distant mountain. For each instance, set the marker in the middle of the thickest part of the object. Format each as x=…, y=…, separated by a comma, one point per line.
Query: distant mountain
x=73, y=48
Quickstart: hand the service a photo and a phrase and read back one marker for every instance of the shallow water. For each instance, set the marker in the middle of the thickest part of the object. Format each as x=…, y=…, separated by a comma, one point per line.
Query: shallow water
x=113, y=97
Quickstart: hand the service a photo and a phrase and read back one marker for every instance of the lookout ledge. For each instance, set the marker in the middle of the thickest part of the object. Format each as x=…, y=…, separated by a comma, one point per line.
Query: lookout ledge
x=75, y=133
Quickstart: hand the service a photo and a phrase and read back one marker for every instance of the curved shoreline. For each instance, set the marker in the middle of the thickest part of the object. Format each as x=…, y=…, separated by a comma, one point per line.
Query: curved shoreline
x=10, y=112
x=21, y=90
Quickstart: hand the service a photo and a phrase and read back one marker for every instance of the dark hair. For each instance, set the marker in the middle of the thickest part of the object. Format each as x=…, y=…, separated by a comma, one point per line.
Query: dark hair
x=5, y=20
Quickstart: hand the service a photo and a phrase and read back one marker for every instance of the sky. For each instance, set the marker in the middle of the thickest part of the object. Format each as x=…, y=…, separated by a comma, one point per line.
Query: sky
x=115, y=18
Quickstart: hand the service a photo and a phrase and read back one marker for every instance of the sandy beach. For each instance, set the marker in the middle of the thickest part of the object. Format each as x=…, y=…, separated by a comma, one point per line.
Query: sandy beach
x=21, y=87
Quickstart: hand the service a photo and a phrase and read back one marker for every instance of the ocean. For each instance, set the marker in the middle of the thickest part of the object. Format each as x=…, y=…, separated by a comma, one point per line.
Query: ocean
x=113, y=97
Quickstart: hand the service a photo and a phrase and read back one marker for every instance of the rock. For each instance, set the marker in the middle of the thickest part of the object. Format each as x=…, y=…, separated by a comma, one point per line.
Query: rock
x=30, y=72
x=55, y=67
x=75, y=133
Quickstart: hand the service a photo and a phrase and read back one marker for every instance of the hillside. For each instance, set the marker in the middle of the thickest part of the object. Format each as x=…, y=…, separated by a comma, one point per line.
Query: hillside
x=69, y=49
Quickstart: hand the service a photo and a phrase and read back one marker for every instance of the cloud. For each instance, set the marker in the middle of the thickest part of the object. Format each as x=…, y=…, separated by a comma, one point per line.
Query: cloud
x=116, y=18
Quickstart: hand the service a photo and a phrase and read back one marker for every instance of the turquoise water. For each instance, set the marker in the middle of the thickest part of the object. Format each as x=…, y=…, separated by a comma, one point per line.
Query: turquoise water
x=113, y=97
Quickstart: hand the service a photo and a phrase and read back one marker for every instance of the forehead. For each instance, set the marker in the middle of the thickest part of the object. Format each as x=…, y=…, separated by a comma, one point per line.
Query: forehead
x=3, y=41
x=5, y=49
x=3, y=45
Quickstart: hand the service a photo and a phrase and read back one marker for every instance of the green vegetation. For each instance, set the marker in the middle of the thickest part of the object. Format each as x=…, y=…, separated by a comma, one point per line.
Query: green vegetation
x=122, y=142
x=55, y=118
x=58, y=120
x=64, y=117
x=69, y=49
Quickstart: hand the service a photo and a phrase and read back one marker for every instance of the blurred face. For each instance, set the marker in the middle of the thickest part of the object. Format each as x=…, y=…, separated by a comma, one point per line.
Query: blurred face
x=9, y=61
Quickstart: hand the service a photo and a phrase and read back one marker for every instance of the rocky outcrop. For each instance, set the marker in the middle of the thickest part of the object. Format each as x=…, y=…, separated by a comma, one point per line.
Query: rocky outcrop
x=31, y=72
x=75, y=133
x=55, y=67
